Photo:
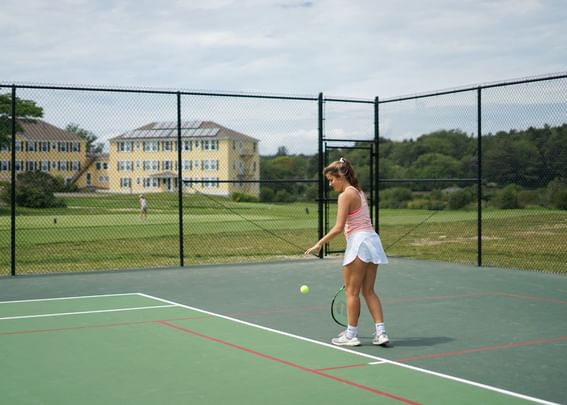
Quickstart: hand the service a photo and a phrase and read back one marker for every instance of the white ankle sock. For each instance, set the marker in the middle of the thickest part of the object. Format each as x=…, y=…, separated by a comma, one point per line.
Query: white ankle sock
x=352, y=331
x=380, y=328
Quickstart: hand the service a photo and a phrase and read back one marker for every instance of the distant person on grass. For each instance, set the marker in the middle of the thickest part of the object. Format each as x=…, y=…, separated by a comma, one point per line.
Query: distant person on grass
x=363, y=253
x=143, y=207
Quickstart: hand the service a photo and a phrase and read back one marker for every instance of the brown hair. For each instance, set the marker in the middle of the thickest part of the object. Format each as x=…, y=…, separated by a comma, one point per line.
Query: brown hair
x=344, y=168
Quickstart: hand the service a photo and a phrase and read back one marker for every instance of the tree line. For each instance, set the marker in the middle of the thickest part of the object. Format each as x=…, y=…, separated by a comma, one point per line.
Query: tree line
x=517, y=163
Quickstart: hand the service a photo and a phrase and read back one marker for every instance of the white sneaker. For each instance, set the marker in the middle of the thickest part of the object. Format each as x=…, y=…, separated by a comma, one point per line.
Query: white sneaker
x=381, y=340
x=343, y=340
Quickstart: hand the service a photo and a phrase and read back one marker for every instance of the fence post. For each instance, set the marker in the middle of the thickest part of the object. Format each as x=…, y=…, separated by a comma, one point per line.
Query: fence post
x=479, y=177
x=320, y=174
x=180, y=182
x=13, y=188
x=377, y=165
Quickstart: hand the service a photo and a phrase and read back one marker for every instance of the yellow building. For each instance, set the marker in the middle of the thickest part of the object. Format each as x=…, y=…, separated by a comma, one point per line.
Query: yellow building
x=95, y=174
x=214, y=159
x=44, y=147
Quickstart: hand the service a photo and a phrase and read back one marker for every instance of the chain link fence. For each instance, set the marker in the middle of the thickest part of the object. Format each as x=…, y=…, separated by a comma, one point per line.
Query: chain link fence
x=478, y=174
x=473, y=175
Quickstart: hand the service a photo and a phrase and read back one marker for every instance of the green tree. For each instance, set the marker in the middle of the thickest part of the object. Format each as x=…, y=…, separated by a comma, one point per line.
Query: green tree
x=459, y=199
x=25, y=109
x=507, y=198
x=87, y=135
x=436, y=166
x=454, y=143
x=509, y=160
x=35, y=190
x=555, y=152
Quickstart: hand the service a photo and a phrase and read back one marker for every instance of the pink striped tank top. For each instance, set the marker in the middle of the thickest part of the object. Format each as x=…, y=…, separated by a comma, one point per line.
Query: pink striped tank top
x=359, y=219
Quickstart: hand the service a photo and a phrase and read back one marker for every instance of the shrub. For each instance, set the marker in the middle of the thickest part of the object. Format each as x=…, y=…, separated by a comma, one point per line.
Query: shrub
x=528, y=198
x=557, y=194
x=459, y=199
x=284, y=196
x=396, y=197
x=560, y=200
x=507, y=198
x=242, y=197
x=266, y=194
x=35, y=190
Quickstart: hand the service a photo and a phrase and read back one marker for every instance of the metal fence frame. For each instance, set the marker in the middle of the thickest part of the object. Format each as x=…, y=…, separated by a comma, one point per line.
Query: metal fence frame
x=320, y=100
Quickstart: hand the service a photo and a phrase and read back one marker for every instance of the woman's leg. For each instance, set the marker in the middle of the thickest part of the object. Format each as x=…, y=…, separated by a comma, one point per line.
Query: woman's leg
x=370, y=296
x=353, y=276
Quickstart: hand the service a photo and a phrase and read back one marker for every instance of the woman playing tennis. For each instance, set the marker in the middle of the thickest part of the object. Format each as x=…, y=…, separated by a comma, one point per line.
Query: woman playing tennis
x=363, y=254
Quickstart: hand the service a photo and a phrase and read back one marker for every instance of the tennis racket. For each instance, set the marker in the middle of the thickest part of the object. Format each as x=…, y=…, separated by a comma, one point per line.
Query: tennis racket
x=339, y=308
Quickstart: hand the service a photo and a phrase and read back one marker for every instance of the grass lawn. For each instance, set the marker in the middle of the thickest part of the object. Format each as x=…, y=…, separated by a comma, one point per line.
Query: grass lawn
x=105, y=232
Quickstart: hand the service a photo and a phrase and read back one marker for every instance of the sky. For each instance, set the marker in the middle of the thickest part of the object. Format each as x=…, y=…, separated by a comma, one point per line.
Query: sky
x=343, y=48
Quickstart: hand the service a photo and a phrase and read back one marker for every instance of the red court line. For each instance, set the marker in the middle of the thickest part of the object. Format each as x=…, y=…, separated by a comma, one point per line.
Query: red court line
x=345, y=366
x=290, y=364
x=531, y=297
x=435, y=297
x=483, y=349
x=96, y=326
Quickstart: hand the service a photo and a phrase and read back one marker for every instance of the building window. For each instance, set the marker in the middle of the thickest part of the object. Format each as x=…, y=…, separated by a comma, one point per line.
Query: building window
x=187, y=145
x=151, y=146
x=151, y=165
x=124, y=147
x=167, y=146
x=30, y=166
x=210, y=164
x=4, y=165
x=210, y=144
x=210, y=182
x=45, y=165
x=125, y=182
x=151, y=182
x=124, y=165
x=187, y=165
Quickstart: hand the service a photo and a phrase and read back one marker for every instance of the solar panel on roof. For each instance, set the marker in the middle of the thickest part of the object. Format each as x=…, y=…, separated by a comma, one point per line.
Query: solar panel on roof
x=199, y=132
x=191, y=124
x=188, y=124
x=165, y=125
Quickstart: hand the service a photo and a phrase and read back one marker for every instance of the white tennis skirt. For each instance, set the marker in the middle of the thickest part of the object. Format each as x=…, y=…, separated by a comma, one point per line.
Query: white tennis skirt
x=365, y=245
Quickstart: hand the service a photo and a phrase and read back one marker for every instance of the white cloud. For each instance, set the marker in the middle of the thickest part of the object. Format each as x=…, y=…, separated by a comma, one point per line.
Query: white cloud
x=358, y=49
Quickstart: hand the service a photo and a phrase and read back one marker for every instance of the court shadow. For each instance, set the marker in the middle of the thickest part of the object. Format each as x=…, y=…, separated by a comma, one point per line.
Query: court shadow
x=419, y=341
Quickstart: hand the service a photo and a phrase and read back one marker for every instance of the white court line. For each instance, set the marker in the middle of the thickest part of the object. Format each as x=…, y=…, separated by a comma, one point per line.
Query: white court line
x=379, y=359
x=372, y=363
x=68, y=298
x=99, y=311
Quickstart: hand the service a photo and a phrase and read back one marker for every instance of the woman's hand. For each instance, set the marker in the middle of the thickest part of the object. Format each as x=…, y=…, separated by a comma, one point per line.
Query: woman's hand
x=314, y=249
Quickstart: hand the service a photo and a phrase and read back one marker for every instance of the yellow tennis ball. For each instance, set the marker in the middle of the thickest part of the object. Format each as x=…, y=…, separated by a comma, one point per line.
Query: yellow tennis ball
x=304, y=289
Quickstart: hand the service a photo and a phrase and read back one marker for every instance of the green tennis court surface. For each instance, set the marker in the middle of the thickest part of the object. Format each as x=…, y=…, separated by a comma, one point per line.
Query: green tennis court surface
x=243, y=333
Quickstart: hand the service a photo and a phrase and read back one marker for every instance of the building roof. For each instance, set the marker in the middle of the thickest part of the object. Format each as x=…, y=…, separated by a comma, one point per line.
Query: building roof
x=38, y=130
x=189, y=129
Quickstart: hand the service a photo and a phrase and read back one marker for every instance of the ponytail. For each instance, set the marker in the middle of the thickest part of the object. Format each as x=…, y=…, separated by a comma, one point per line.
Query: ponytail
x=342, y=167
